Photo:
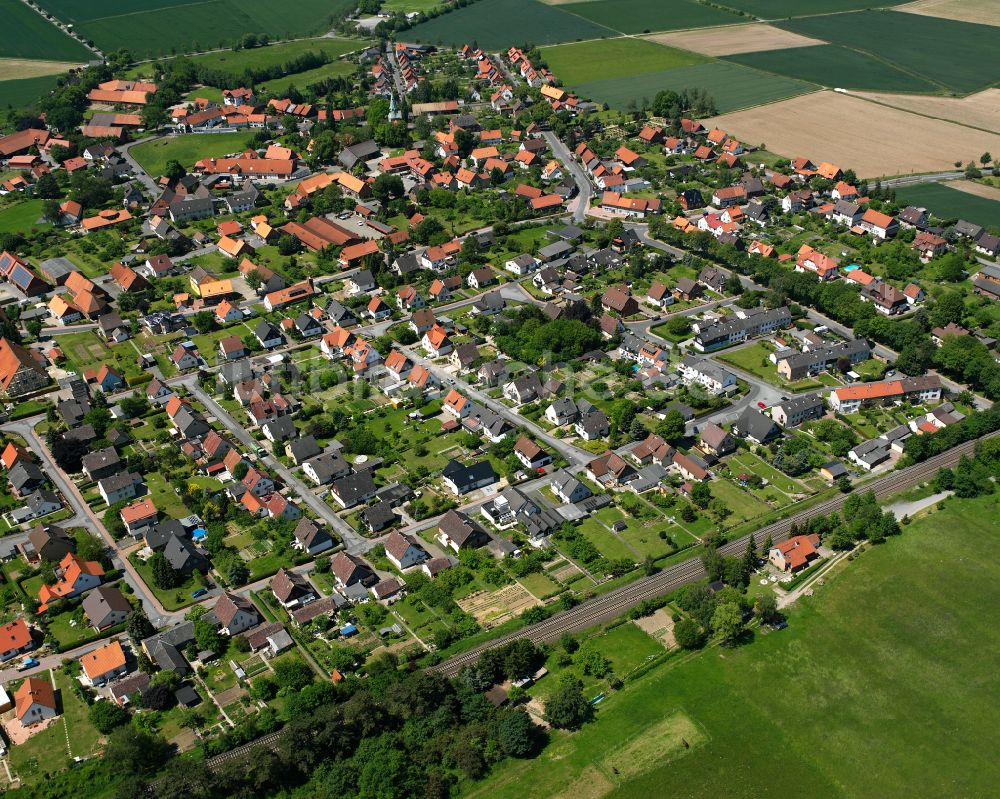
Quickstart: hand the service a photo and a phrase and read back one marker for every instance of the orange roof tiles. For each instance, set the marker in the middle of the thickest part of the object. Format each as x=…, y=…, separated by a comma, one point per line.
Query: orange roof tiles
x=101, y=661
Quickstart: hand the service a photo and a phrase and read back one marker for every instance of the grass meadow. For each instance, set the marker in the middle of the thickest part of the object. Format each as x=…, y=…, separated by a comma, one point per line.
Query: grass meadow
x=606, y=59
x=25, y=91
x=882, y=685
x=153, y=155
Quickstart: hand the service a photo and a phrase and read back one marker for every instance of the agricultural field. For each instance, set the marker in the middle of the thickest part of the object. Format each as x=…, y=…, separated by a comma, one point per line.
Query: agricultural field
x=733, y=39
x=986, y=12
x=27, y=34
x=776, y=9
x=732, y=86
x=834, y=66
x=946, y=202
x=801, y=126
x=153, y=155
x=148, y=29
x=980, y=110
x=23, y=92
x=643, y=16
x=488, y=23
x=926, y=46
x=20, y=68
x=607, y=59
x=918, y=657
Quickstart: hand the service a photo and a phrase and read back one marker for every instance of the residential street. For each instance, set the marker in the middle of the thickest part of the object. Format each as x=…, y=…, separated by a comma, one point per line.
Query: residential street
x=585, y=190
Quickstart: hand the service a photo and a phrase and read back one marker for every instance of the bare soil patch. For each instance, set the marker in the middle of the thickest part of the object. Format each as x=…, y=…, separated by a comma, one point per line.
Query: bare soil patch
x=659, y=626
x=591, y=784
x=16, y=68
x=985, y=12
x=733, y=39
x=978, y=189
x=490, y=608
x=979, y=110
x=802, y=127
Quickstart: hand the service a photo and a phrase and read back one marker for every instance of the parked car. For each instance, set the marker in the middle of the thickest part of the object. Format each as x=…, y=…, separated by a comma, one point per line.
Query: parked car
x=199, y=592
x=27, y=663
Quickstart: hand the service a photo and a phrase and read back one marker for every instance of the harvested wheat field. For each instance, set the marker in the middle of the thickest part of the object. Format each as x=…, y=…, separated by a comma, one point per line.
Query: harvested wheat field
x=980, y=110
x=978, y=189
x=734, y=39
x=985, y=12
x=17, y=68
x=873, y=140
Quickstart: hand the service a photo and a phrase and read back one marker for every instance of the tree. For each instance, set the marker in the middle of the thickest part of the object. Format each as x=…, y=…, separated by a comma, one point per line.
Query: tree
x=567, y=709
x=688, y=634
x=158, y=697
x=985, y=159
x=765, y=608
x=637, y=430
x=135, y=752
x=293, y=674
x=678, y=326
x=671, y=428
x=701, y=494
x=204, y=321
x=727, y=622
x=47, y=188
x=288, y=245
x=516, y=733
x=387, y=187
x=138, y=626
x=107, y=715
x=164, y=575
x=733, y=284
x=206, y=636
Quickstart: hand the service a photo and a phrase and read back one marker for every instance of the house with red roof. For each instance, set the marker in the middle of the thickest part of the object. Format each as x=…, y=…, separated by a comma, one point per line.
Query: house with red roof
x=795, y=554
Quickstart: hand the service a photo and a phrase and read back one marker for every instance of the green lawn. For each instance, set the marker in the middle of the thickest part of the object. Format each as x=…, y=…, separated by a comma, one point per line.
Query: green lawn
x=754, y=359
x=604, y=59
x=541, y=585
x=23, y=92
x=21, y=217
x=335, y=69
x=854, y=695
x=170, y=598
x=236, y=61
x=153, y=155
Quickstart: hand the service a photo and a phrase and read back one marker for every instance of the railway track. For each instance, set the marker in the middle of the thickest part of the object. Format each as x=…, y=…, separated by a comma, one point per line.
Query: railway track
x=609, y=606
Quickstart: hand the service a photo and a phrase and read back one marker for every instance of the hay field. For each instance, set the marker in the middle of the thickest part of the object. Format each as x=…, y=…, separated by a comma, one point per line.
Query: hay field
x=976, y=189
x=980, y=110
x=19, y=68
x=733, y=39
x=985, y=12
x=802, y=127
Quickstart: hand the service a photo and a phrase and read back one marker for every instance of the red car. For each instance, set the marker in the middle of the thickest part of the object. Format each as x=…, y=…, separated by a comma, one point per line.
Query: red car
x=762, y=406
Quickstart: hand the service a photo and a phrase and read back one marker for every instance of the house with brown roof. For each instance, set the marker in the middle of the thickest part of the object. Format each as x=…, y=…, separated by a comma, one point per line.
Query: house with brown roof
x=619, y=300
x=235, y=614
x=404, y=552
x=292, y=590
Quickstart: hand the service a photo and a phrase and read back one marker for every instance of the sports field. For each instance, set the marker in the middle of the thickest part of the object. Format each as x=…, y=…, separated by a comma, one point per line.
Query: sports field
x=644, y=16
x=605, y=59
x=947, y=202
x=732, y=86
x=23, y=92
x=153, y=155
x=150, y=28
x=801, y=127
x=489, y=23
x=777, y=9
x=27, y=34
x=835, y=67
x=882, y=685
x=959, y=56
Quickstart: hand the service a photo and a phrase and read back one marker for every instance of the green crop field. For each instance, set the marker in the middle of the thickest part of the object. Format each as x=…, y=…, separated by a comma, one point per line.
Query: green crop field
x=835, y=66
x=880, y=686
x=489, y=24
x=733, y=86
x=27, y=34
x=946, y=202
x=24, y=92
x=639, y=16
x=148, y=29
x=776, y=9
x=153, y=155
x=960, y=56
x=605, y=59
x=76, y=12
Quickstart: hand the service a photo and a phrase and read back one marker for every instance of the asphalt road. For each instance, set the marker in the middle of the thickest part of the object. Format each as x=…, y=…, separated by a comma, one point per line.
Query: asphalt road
x=584, y=188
